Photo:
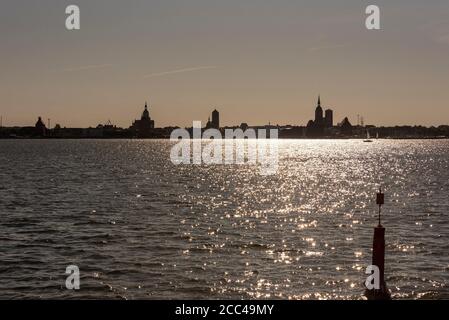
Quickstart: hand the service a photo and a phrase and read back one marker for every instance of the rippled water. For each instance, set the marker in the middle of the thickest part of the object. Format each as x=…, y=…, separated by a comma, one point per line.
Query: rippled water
x=139, y=227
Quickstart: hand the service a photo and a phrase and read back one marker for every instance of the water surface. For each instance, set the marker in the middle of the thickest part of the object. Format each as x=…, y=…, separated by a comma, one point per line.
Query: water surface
x=140, y=227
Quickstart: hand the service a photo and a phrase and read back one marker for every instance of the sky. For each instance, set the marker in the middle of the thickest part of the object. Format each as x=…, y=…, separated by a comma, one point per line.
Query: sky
x=256, y=61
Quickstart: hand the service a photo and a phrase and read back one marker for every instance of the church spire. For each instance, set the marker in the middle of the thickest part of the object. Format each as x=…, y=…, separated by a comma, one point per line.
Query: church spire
x=319, y=100
x=146, y=113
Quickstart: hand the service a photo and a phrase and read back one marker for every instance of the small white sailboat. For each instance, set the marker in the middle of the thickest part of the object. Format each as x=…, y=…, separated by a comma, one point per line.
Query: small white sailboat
x=367, y=137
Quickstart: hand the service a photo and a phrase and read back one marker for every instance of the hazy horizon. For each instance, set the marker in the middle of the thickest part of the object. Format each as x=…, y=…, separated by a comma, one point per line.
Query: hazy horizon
x=256, y=61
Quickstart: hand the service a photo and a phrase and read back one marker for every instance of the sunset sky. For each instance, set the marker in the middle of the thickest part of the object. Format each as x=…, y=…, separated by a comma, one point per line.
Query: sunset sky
x=256, y=61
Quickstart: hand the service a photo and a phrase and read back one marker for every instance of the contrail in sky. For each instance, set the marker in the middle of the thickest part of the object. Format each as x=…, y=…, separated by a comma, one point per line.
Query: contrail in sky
x=160, y=74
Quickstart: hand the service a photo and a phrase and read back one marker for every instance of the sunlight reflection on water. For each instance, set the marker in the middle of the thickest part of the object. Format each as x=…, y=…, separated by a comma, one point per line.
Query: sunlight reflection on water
x=141, y=228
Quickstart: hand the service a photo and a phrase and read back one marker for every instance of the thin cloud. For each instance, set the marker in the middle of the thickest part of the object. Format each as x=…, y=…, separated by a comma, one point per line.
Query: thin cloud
x=88, y=67
x=166, y=73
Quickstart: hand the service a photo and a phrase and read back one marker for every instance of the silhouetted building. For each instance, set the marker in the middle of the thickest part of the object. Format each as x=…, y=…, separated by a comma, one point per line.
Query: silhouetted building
x=319, y=113
x=41, y=129
x=315, y=128
x=345, y=127
x=215, y=123
x=329, y=118
x=216, y=119
x=244, y=126
x=321, y=126
x=143, y=128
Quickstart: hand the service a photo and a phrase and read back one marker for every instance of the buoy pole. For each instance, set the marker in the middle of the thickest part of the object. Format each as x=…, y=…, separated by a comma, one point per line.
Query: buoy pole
x=379, y=255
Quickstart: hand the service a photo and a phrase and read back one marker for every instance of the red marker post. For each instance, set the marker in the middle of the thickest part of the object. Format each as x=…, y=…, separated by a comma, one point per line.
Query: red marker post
x=379, y=255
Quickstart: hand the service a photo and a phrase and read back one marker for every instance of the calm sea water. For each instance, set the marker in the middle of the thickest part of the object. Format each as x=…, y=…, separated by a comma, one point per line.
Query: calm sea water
x=139, y=227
